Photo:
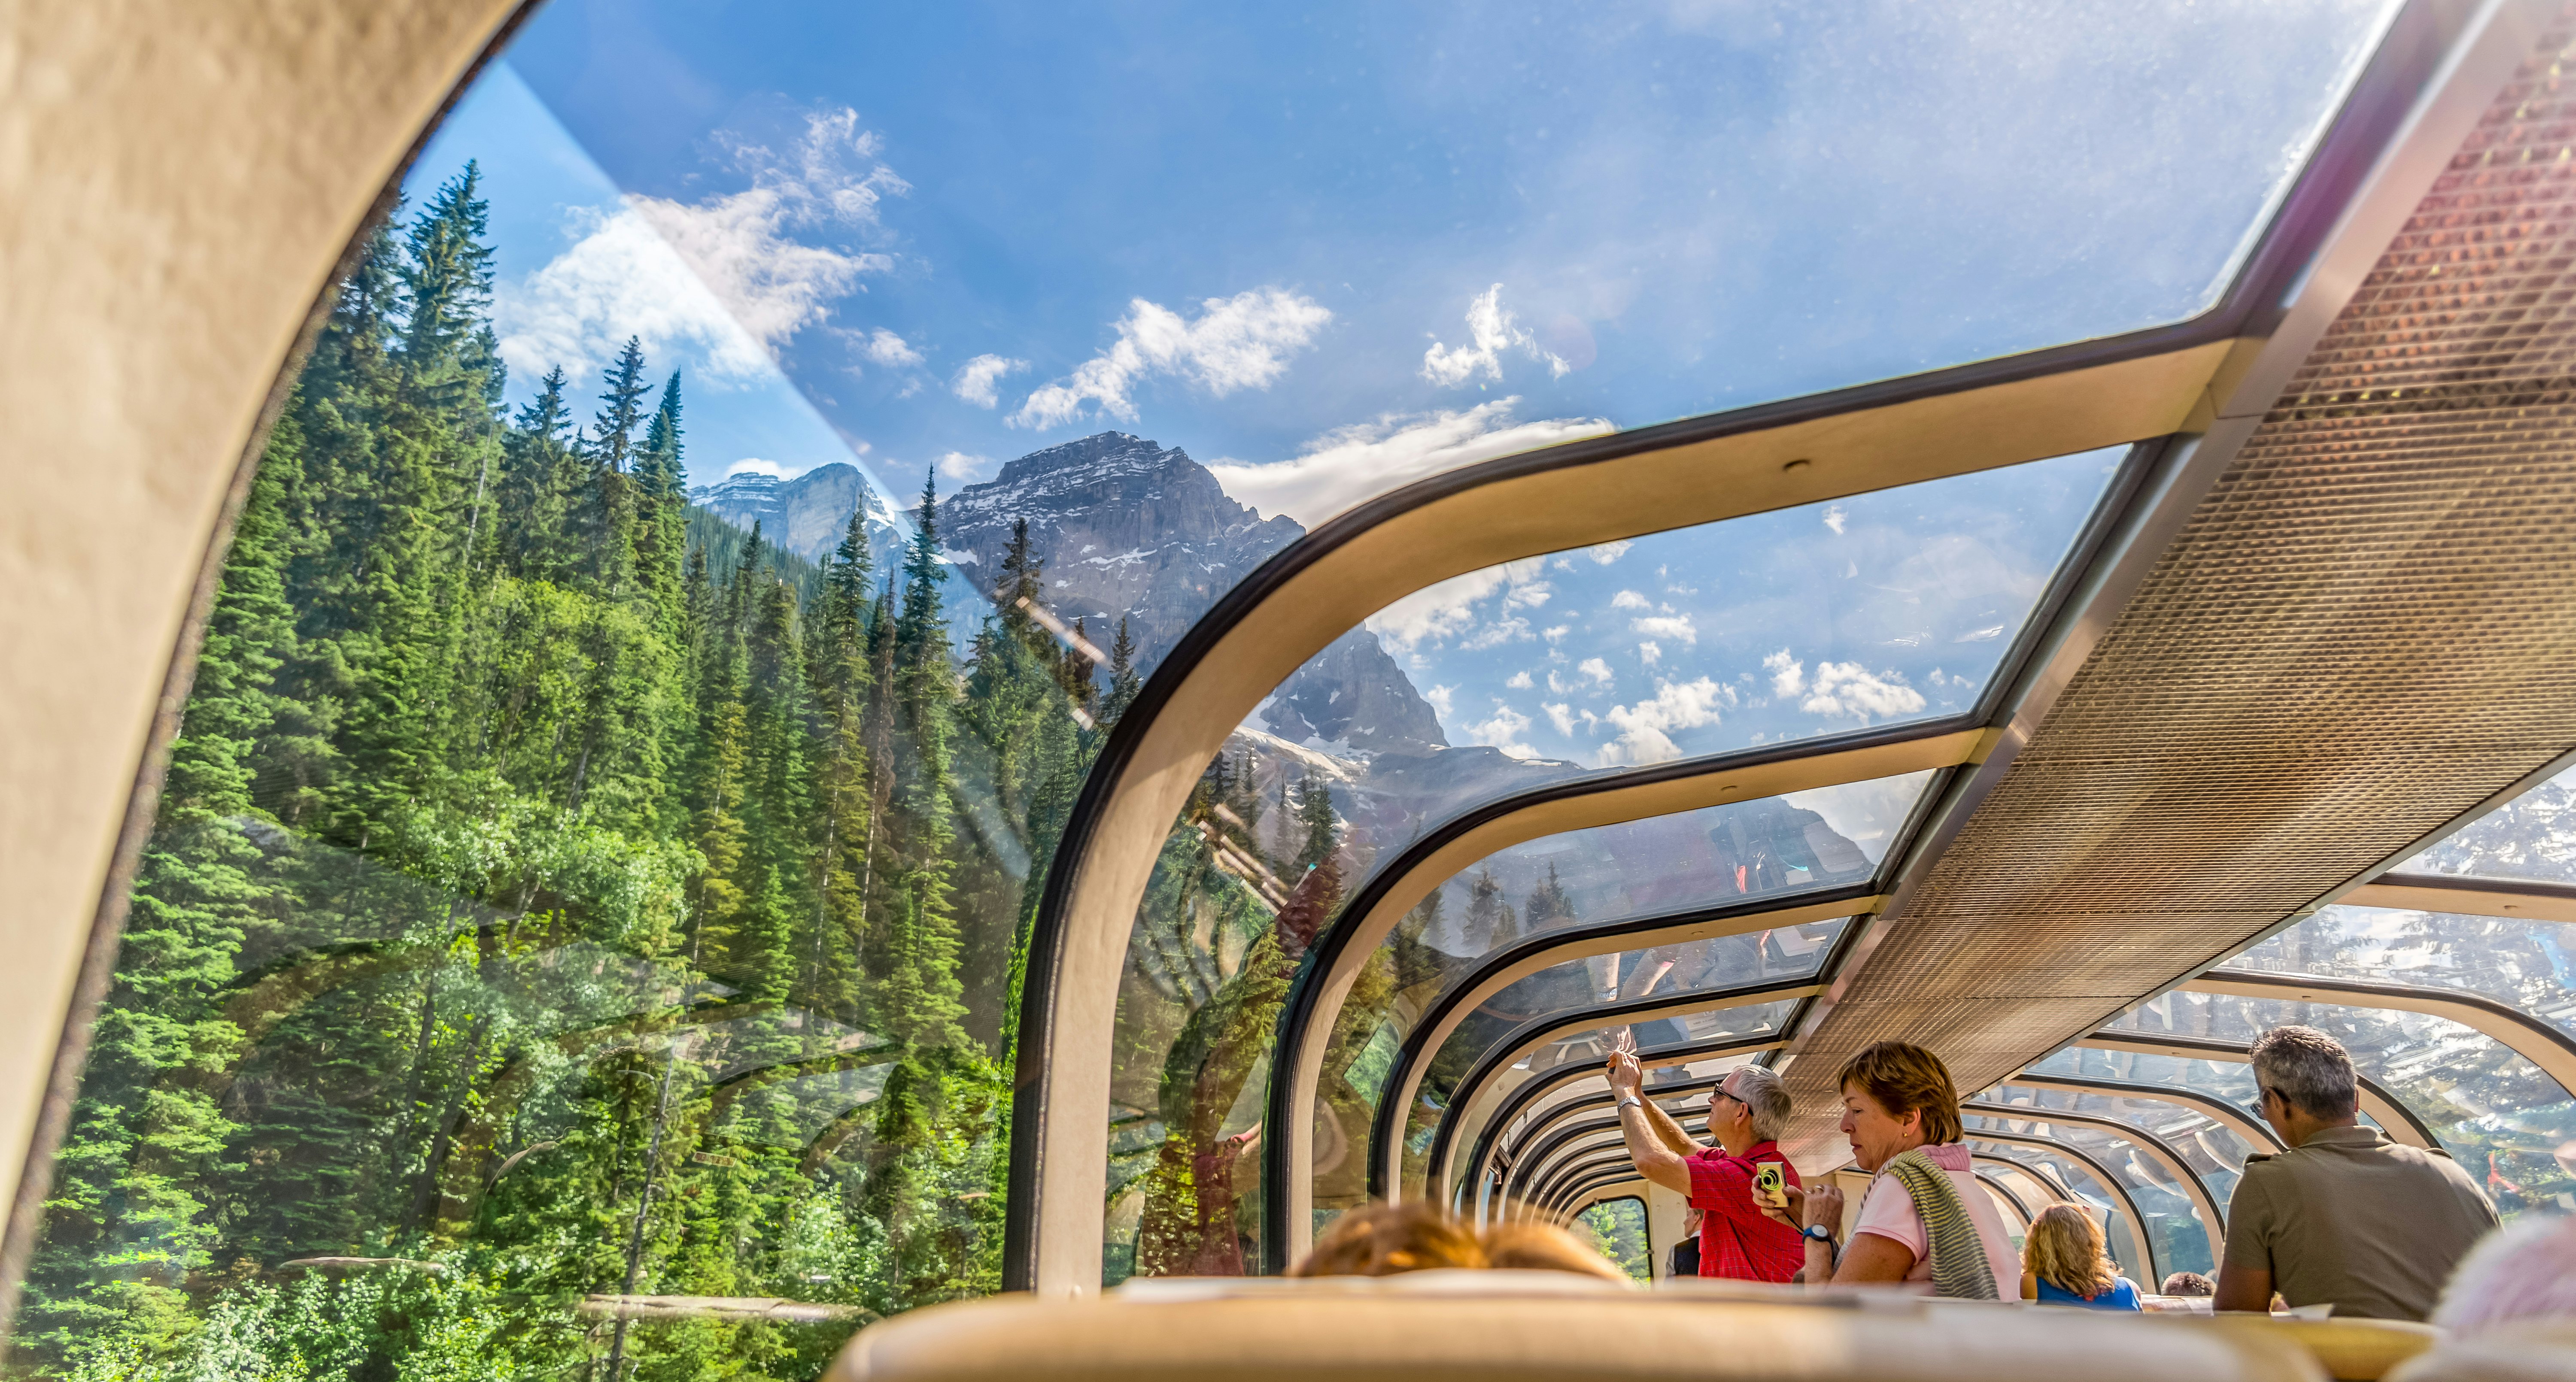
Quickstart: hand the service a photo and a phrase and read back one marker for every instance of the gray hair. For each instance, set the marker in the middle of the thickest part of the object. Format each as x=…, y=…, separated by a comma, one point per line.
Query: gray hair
x=1759, y=1087
x=2308, y=1069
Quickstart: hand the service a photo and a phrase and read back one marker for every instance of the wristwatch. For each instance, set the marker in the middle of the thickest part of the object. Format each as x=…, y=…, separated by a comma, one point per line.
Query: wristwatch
x=1627, y=1099
x=1819, y=1233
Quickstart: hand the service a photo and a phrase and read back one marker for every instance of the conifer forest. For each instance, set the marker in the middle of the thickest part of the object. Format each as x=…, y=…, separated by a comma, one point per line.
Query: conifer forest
x=561, y=903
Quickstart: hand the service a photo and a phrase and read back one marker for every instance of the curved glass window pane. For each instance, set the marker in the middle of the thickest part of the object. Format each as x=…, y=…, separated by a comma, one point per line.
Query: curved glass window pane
x=1673, y=971
x=2073, y=1182
x=1331, y=253
x=560, y=893
x=1540, y=1113
x=2173, y=1216
x=2494, y=1112
x=2530, y=839
x=1343, y=1115
x=2526, y=964
x=1618, y=1229
x=2213, y=1151
x=2232, y=1081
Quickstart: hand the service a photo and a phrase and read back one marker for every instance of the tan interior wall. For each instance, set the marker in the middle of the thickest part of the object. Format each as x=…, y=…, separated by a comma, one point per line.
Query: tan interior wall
x=178, y=180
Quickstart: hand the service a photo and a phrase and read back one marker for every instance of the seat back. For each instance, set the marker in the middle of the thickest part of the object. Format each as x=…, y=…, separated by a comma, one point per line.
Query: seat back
x=1541, y=1327
x=2538, y=1351
x=2351, y=1350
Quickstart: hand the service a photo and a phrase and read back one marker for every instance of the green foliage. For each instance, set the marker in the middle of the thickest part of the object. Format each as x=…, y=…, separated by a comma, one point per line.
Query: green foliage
x=1618, y=1228
x=558, y=892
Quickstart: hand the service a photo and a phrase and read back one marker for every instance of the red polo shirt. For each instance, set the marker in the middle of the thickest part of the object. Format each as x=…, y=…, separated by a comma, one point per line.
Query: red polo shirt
x=1736, y=1239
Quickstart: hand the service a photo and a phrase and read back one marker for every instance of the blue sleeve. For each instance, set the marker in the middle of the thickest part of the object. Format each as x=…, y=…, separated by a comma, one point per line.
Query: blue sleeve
x=2125, y=1296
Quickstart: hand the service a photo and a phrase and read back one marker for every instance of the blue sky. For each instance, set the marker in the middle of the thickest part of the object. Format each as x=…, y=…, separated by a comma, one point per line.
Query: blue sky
x=1885, y=607
x=1327, y=248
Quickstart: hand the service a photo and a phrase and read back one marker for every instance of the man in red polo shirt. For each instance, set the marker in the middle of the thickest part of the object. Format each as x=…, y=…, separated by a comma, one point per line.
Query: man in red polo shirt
x=1736, y=1239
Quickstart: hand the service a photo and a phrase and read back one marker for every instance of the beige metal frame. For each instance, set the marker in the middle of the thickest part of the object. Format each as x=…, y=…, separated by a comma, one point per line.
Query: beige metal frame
x=185, y=179
x=1467, y=1106
x=2528, y=1037
x=2213, y=1217
x=2137, y=1225
x=1407, y=1079
x=2393, y=1117
x=2410, y=892
x=1498, y=512
x=2236, y=1120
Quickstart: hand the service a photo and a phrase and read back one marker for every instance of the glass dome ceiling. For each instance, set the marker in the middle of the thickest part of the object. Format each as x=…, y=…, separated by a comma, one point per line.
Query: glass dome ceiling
x=1331, y=250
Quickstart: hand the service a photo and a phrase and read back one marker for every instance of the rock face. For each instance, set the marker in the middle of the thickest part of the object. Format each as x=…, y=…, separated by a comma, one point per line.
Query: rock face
x=1353, y=694
x=806, y=515
x=1125, y=527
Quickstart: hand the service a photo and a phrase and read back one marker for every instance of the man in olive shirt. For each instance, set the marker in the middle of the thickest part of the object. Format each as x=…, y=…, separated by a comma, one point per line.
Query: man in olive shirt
x=2345, y=1217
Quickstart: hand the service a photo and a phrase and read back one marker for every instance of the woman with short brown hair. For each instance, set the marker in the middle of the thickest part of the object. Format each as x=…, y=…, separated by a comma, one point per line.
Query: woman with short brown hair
x=1925, y=1218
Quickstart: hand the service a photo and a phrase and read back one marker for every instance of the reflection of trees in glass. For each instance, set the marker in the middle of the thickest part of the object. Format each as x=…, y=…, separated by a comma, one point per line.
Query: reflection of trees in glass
x=2493, y=1111
x=1619, y=1228
x=556, y=893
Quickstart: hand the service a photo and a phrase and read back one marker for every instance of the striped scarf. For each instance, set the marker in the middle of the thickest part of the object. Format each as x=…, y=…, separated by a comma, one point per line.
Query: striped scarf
x=1959, y=1266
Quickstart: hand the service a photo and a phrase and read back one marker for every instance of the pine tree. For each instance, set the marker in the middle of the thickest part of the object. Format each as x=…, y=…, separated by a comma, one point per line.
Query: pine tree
x=1123, y=679
x=1488, y=915
x=1321, y=828
x=662, y=502
x=1548, y=904
x=612, y=431
x=447, y=270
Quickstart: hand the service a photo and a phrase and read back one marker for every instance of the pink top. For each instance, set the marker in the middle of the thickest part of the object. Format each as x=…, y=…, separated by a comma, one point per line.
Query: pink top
x=1889, y=1212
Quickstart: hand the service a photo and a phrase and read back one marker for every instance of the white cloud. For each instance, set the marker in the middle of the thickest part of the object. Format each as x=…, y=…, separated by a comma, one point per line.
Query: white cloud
x=1494, y=330
x=1350, y=464
x=753, y=465
x=1835, y=517
x=1497, y=633
x=1650, y=652
x=957, y=465
x=1436, y=612
x=1646, y=728
x=1529, y=596
x=1443, y=699
x=975, y=379
x=1594, y=668
x=721, y=276
x=1607, y=552
x=886, y=348
x=1980, y=635
x=1788, y=674
x=1848, y=690
x=1503, y=731
x=1674, y=626
x=1241, y=342
x=1519, y=681
x=1555, y=632
x=1629, y=599
x=1561, y=716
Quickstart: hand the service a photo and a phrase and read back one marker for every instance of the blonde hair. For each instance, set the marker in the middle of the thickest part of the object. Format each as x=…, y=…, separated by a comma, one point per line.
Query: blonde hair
x=2064, y=1249
x=1382, y=1240
x=1546, y=1248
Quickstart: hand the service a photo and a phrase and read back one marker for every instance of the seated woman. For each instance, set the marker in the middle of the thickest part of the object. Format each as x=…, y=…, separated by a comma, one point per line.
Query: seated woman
x=2063, y=1263
x=1925, y=1217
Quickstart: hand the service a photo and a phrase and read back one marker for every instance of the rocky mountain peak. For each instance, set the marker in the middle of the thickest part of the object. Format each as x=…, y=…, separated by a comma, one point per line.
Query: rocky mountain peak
x=1125, y=528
